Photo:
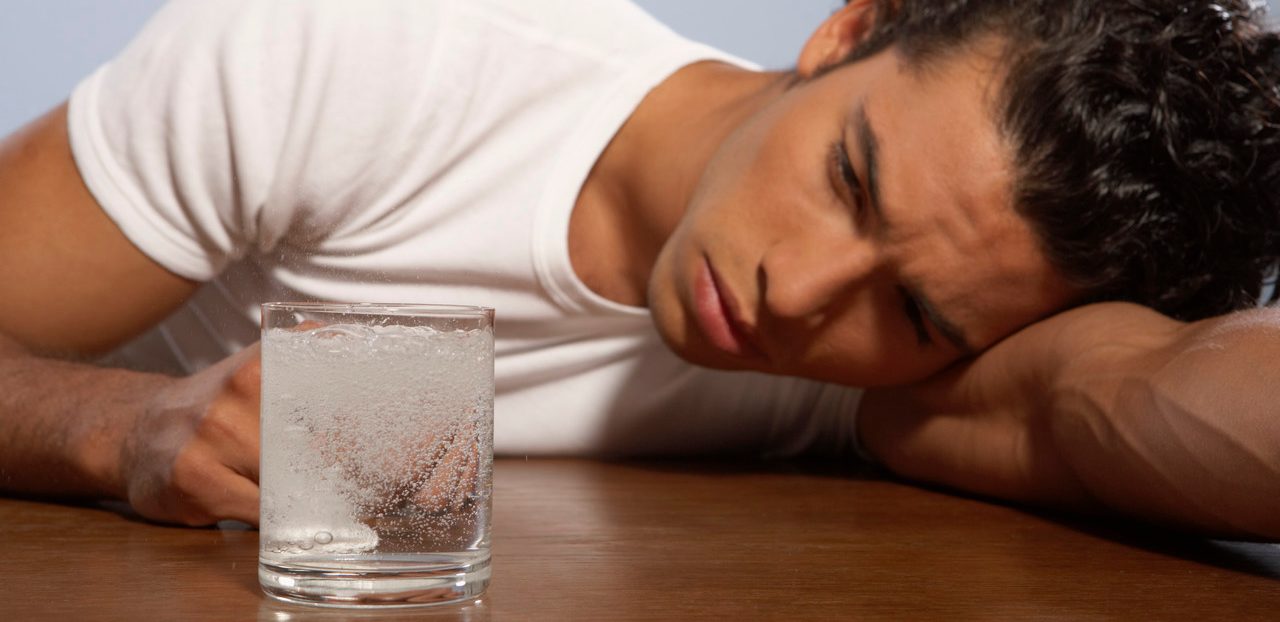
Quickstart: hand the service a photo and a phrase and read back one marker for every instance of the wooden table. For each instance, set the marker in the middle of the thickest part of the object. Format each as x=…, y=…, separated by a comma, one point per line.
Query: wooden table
x=582, y=540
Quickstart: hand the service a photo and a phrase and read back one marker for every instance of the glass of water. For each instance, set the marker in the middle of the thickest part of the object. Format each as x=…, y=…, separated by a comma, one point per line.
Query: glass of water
x=377, y=453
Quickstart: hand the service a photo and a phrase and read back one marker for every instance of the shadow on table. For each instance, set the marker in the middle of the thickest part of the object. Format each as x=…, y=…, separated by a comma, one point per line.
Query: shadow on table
x=1253, y=558
x=1259, y=559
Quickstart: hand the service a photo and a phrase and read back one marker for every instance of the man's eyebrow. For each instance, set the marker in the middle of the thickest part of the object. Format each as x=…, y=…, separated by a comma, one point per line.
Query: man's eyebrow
x=869, y=146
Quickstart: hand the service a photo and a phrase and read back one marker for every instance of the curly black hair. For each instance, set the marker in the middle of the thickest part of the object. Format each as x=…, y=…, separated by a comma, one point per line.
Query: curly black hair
x=1146, y=135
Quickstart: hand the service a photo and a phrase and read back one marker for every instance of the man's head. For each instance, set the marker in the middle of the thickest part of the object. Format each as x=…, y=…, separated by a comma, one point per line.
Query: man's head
x=1146, y=135
x=944, y=173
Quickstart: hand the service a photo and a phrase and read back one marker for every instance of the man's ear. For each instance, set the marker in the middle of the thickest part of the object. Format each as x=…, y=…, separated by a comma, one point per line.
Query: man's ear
x=832, y=42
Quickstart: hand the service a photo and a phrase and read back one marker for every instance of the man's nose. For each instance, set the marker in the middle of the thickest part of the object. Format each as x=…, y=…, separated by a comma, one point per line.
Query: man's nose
x=800, y=279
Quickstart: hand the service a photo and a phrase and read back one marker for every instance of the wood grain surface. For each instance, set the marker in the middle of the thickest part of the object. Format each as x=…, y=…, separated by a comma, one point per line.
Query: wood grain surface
x=584, y=540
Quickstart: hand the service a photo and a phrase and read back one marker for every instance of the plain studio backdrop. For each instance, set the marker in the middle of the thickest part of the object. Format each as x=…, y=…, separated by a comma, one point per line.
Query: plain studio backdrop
x=48, y=46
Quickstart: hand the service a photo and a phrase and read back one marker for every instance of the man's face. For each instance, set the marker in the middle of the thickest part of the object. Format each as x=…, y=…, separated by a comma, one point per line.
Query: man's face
x=858, y=230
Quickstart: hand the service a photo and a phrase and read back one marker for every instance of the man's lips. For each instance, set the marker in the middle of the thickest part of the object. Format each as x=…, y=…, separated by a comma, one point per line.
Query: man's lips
x=715, y=315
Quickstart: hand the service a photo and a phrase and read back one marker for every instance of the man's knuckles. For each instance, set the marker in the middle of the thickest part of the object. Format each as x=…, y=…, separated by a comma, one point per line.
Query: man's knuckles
x=191, y=475
x=229, y=421
x=246, y=380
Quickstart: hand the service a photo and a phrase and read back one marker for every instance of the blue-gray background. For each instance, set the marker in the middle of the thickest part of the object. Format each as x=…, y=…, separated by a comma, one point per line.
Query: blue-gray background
x=47, y=46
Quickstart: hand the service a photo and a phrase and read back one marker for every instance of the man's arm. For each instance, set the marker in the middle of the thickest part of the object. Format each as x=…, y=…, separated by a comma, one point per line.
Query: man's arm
x=72, y=285
x=1105, y=408
x=70, y=282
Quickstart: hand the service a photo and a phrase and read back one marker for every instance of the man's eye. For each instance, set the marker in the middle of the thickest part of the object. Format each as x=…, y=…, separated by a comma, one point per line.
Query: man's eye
x=845, y=179
x=916, y=316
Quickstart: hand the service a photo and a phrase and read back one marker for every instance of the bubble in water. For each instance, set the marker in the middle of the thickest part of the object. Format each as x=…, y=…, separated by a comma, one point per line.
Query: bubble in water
x=349, y=331
x=340, y=401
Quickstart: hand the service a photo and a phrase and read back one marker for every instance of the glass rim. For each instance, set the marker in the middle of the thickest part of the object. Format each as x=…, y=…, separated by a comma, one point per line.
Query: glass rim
x=405, y=309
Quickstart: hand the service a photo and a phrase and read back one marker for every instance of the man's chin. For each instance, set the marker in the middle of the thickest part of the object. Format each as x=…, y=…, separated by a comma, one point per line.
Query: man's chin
x=712, y=358
x=701, y=355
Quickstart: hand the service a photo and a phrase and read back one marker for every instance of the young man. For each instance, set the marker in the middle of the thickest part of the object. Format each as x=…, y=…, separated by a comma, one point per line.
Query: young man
x=927, y=182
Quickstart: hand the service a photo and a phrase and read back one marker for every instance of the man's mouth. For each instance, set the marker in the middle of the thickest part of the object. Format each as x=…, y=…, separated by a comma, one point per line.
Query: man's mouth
x=716, y=316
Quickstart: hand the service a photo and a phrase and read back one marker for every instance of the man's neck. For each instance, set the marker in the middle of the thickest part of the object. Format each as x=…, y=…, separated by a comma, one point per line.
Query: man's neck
x=638, y=190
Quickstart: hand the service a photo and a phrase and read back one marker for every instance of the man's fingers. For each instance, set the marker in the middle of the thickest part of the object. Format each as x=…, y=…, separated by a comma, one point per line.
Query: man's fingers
x=198, y=491
x=238, y=499
x=231, y=432
x=246, y=380
x=231, y=425
x=242, y=459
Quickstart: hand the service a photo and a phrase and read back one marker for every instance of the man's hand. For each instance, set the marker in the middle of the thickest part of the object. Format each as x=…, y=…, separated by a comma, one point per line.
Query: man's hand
x=191, y=456
x=1109, y=406
x=73, y=286
x=179, y=450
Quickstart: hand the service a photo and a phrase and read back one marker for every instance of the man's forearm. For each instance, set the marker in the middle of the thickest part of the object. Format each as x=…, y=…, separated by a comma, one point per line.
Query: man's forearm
x=63, y=424
x=1106, y=408
x=1188, y=435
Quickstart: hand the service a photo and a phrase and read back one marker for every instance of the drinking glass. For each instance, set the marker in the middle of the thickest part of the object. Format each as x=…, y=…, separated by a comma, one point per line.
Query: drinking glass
x=377, y=453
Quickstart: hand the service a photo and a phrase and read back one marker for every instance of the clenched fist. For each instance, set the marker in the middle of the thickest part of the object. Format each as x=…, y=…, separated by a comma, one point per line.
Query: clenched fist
x=192, y=456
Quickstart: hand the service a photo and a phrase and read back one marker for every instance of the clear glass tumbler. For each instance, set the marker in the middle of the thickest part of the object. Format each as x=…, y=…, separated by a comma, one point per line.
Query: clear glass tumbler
x=377, y=453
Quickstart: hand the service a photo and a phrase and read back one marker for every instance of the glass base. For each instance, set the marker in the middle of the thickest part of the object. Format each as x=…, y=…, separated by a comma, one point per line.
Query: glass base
x=357, y=584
